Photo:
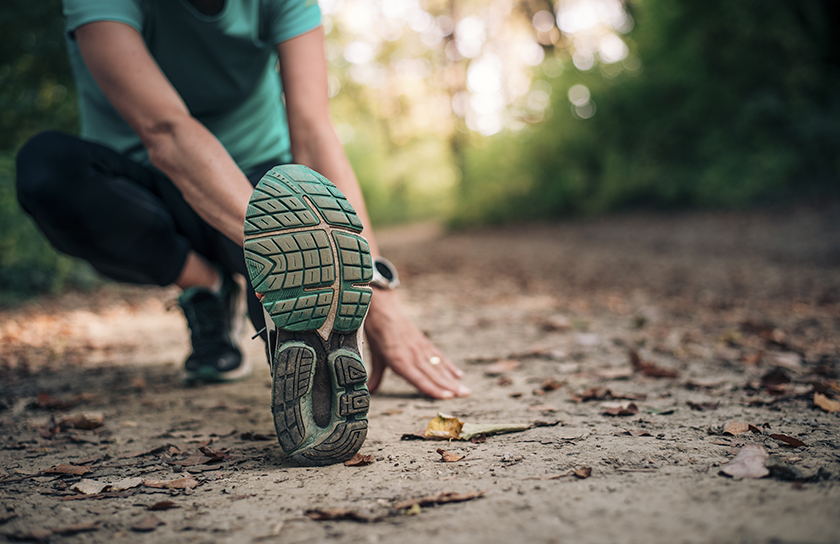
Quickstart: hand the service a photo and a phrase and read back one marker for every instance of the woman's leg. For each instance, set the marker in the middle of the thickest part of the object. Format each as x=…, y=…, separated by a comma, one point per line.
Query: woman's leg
x=96, y=204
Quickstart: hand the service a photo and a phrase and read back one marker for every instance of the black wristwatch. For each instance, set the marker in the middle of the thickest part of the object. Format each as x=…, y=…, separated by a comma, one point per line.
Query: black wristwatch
x=384, y=274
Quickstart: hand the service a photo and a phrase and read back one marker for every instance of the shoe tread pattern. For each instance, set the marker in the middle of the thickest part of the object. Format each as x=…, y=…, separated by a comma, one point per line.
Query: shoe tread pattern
x=293, y=370
x=356, y=267
x=274, y=206
x=296, y=271
x=331, y=203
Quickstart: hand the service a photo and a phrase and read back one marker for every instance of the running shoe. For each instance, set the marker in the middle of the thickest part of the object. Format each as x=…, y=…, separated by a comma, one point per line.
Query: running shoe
x=306, y=258
x=215, y=322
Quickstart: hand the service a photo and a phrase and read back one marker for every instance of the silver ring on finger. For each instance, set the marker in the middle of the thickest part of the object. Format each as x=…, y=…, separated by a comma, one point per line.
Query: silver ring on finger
x=434, y=361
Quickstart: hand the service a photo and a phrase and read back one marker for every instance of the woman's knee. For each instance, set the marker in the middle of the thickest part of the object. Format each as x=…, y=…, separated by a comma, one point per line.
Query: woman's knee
x=46, y=165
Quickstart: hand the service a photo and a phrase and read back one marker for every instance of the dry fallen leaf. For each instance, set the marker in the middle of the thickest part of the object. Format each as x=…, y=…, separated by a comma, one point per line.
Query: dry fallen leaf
x=637, y=433
x=583, y=472
x=704, y=383
x=215, y=455
x=501, y=367
x=163, y=505
x=194, y=459
x=68, y=469
x=602, y=393
x=749, y=463
x=629, y=409
x=550, y=384
x=440, y=498
x=188, y=482
x=826, y=403
x=48, y=402
x=149, y=523
x=89, y=487
x=359, y=460
x=789, y=440
x=448, y=456
x=593, y=393
x=83, y=420
x=650, y=369
x=326, y=514
x=556, y=323
x=703, y=406
x=541, y=423
x=734, y=427
x=126, y=483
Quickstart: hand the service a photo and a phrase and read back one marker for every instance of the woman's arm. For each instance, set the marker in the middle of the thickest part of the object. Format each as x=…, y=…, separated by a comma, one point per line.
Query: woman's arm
x=395, y=341
x=180, y=146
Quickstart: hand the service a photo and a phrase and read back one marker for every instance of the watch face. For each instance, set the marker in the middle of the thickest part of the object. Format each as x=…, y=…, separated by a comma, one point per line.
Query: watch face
x=384, y=270
x=384, y=274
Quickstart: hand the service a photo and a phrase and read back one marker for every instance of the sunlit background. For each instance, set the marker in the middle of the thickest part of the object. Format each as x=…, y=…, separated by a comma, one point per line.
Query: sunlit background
x=472, y=112
x=411, y=81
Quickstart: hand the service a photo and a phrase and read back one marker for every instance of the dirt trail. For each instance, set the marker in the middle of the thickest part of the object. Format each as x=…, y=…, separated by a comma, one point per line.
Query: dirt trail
x=743, y=308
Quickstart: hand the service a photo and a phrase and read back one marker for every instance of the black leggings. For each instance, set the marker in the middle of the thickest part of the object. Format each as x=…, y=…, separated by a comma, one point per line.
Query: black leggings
x=127, y=220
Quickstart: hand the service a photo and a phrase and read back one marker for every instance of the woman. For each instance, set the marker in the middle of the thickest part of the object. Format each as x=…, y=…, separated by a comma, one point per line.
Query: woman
x=182, y=112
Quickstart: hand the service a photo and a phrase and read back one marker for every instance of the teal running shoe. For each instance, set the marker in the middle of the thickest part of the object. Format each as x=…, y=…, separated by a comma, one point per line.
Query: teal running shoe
x=305, y=256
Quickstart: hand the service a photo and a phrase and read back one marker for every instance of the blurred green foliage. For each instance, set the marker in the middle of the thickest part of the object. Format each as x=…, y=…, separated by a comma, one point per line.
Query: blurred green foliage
x=36, y=87
x=736, y=104
x=36, y=93
x=28, y=264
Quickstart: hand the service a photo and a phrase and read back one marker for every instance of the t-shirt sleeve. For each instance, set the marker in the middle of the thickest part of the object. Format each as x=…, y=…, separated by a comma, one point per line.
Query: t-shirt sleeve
x=290, y=18
x=81, y=12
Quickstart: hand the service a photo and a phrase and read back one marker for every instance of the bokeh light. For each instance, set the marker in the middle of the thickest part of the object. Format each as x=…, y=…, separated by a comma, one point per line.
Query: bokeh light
x=443, y=68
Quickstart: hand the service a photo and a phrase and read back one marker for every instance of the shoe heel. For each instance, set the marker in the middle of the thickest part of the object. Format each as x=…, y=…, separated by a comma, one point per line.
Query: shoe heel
x=300, y=437
x=348, y=424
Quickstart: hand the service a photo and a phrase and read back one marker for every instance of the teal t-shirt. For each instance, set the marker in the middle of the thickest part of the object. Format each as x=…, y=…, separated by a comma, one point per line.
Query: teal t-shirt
x=223, y=66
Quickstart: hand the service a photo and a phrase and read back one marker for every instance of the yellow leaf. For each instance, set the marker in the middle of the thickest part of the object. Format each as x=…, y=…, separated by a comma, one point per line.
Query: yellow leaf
x=444, y=426
x=826, y=403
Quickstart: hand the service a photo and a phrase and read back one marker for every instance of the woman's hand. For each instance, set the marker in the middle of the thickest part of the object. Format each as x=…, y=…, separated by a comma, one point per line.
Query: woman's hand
x=397, y=343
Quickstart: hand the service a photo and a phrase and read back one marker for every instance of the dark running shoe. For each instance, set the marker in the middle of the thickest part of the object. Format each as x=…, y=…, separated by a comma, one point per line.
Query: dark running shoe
x=305, y=255
x=215, y=322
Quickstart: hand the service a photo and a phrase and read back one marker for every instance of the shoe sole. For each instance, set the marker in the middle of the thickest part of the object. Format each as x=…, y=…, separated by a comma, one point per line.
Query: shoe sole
x=304, y=254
